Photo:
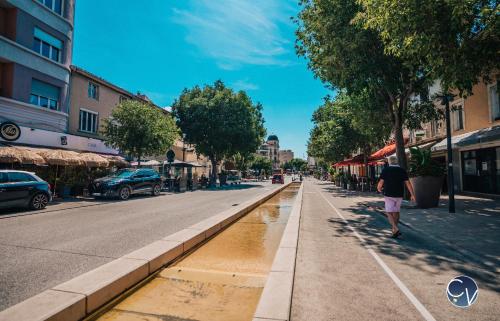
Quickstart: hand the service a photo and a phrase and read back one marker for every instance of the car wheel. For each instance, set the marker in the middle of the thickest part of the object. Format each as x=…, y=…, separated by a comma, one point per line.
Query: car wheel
x=39, y=201
x=124, y=193
x=156, y=190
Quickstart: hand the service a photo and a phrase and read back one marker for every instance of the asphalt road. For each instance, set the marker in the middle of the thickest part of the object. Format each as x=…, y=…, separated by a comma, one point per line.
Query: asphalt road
x=348, y=268
x=40, y=250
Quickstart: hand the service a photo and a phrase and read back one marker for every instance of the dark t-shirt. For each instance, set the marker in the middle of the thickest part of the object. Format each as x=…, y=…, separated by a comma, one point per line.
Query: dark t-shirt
x=394, y=178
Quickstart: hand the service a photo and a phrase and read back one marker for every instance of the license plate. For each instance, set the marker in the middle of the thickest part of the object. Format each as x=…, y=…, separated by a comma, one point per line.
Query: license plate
x=96, y=194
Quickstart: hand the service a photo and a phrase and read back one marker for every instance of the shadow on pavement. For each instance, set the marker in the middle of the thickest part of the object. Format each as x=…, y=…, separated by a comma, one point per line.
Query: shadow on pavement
x=416, y=249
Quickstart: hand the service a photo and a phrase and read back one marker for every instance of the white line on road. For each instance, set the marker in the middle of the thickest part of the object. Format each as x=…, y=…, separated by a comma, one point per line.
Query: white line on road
x=419, y=306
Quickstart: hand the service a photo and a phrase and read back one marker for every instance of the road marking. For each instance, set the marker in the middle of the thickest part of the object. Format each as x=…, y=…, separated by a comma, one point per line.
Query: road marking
x=416, y=303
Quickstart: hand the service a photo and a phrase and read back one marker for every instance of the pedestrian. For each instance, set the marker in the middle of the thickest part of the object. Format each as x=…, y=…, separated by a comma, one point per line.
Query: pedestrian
x=392, y=181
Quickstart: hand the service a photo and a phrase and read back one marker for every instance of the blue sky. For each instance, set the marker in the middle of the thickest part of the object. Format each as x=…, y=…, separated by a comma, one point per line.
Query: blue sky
x=160, y=47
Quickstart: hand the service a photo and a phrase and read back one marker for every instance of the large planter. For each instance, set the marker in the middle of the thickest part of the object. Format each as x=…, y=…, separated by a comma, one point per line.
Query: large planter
x=427, y=190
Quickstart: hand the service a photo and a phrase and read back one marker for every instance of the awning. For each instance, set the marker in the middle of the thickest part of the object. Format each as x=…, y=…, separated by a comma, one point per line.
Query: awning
x=178, y=163
x=147, y=163
x=422, y=146
x=484, y=135
x=385, y=152
x=356, y=160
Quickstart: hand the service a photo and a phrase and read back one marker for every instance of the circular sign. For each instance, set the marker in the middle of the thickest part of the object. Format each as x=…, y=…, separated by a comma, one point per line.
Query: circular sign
x=462, y=291
x=10, y=131
x=170, y=156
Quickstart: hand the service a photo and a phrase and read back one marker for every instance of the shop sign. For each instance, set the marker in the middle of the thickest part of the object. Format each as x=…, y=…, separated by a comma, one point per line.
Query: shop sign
x=10, y=131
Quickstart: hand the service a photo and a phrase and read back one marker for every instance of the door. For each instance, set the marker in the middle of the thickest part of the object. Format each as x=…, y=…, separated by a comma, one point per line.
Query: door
x=138, y=181
x=18, y=189
x=481, y=170
x=3, y=189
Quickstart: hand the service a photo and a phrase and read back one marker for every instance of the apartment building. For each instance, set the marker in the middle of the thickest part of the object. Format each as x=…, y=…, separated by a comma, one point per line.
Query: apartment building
x=285, y=156
x=36, y=40
x=475, y=128
x=92, y=100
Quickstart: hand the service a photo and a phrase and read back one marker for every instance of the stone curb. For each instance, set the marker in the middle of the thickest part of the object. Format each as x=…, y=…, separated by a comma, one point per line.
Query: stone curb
x=84, y=294
x=276, y=299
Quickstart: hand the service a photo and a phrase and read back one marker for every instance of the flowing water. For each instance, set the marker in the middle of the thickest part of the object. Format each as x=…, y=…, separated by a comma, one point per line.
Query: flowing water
x=221, y=280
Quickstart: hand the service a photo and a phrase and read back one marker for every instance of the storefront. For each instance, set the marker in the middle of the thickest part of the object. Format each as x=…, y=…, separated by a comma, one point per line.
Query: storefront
x=481, y=170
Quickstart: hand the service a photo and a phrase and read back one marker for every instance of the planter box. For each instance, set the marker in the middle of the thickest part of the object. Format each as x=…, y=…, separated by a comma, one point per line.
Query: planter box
x=427, y=190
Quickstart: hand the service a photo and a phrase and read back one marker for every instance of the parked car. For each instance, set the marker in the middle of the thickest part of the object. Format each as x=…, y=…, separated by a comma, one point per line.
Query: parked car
x=126, y=182
x=233, y=179
x=23, y=189
x=278, y=179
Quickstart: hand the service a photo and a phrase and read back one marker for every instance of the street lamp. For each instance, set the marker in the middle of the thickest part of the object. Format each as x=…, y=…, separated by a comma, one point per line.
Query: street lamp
x=445, y=100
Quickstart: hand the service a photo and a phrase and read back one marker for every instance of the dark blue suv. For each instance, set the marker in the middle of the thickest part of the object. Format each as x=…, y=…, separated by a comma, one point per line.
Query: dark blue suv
x=126, y=182
x=23, y=189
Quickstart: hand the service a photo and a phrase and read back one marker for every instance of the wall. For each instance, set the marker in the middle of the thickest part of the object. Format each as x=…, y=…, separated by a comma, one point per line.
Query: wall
x=108, y=99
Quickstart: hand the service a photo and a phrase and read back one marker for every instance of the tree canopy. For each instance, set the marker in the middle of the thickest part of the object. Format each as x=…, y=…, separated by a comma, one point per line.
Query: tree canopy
x=138, y=129
x=346, y=123
x=219, y=121
x=457, y=40
x=261, y=165
x=296, y=164
x=347, y=56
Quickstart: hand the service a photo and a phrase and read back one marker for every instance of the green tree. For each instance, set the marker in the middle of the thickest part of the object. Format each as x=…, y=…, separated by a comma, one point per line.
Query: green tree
x=346, y=123
x=296, y=164
x=242, y=162
x=345, y=55
x=219, y=122
x=262, y=165
x=138, y=129
x=458, y=40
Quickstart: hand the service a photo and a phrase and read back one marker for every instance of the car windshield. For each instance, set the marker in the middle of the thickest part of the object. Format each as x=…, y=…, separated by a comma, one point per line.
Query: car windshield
x=123, y=173
x=277, y=176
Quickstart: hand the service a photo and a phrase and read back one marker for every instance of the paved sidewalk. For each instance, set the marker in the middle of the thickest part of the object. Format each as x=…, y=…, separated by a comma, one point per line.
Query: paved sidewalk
x=348, y=268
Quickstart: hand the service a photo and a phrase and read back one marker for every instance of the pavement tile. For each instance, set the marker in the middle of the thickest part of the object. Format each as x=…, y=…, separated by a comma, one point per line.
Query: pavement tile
x=105, y=282
x=157, y=253
x=49, y=305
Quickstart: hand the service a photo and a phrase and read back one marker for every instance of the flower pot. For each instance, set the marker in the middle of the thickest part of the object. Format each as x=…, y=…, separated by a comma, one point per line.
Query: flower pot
x=427, y=190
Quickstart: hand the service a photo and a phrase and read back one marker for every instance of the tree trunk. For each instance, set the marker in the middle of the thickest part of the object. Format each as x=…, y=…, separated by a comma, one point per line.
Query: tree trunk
x=400, y=143
x=139, y=160
x=213, y=174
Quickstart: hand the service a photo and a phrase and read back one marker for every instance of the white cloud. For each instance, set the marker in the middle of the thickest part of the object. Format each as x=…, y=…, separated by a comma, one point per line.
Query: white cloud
x=238, y=32
x=244, y=84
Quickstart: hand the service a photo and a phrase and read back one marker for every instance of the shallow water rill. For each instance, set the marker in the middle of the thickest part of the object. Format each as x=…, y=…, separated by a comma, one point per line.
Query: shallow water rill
x=222, y=279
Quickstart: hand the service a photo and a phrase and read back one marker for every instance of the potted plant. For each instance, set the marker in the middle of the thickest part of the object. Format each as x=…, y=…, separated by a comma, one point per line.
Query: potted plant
x=426, y=176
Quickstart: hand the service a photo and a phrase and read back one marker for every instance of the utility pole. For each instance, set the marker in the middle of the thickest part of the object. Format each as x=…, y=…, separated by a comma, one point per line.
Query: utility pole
x=451, y=191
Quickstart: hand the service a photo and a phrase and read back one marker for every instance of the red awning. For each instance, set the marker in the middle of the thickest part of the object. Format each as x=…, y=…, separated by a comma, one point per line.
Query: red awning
x=387, y=150
x=356, y=160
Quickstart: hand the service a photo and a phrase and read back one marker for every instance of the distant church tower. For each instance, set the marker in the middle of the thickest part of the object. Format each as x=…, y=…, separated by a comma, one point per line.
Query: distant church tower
x=273, y=144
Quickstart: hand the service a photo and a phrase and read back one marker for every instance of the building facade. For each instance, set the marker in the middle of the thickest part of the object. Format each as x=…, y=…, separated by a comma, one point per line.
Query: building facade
x=270, y=149
x=285, y=156
x=92, y=101
x=36, y=40
x=475, y=128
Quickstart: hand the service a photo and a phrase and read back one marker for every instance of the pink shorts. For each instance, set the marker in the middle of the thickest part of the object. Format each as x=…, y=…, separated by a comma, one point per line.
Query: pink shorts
x=392, y=204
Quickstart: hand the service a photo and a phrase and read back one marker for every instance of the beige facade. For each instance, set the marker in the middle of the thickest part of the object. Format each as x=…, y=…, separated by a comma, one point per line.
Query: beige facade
x=285, y=156
x=91, y=101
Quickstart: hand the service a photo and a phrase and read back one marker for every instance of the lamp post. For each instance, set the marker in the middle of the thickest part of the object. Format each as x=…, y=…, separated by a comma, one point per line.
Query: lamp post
x=451, y=191
x=183, y=147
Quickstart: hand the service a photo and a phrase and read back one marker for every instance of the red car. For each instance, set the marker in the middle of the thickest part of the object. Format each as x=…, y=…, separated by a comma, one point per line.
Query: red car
x=278, y=179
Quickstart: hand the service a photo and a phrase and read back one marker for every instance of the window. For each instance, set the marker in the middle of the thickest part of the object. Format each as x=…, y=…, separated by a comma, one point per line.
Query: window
x=122, y=99
x=3, y=178
x=458, y=117
x=88, y=121
x=20, y=177
x=47, y=45
x=44, y=95
x=494, y=101
x=54, y=5
x=93, y=91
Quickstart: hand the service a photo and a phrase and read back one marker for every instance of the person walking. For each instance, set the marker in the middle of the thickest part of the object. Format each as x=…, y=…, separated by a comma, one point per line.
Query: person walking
x=392, y=181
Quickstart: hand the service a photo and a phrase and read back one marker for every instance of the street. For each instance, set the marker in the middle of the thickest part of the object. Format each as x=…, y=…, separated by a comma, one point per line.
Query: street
x=348, y=268
x=41, y=250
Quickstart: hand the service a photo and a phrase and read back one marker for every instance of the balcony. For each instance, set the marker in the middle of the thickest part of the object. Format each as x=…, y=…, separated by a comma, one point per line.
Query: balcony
x=32, y=116
x=13, y=52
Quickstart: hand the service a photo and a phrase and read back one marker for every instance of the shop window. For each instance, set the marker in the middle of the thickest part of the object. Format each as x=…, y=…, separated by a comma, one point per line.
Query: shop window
x=458, y=117
x=93, y=91
x=47, y=45
x=44, y=95
x=494, y=101
x=88, y=121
